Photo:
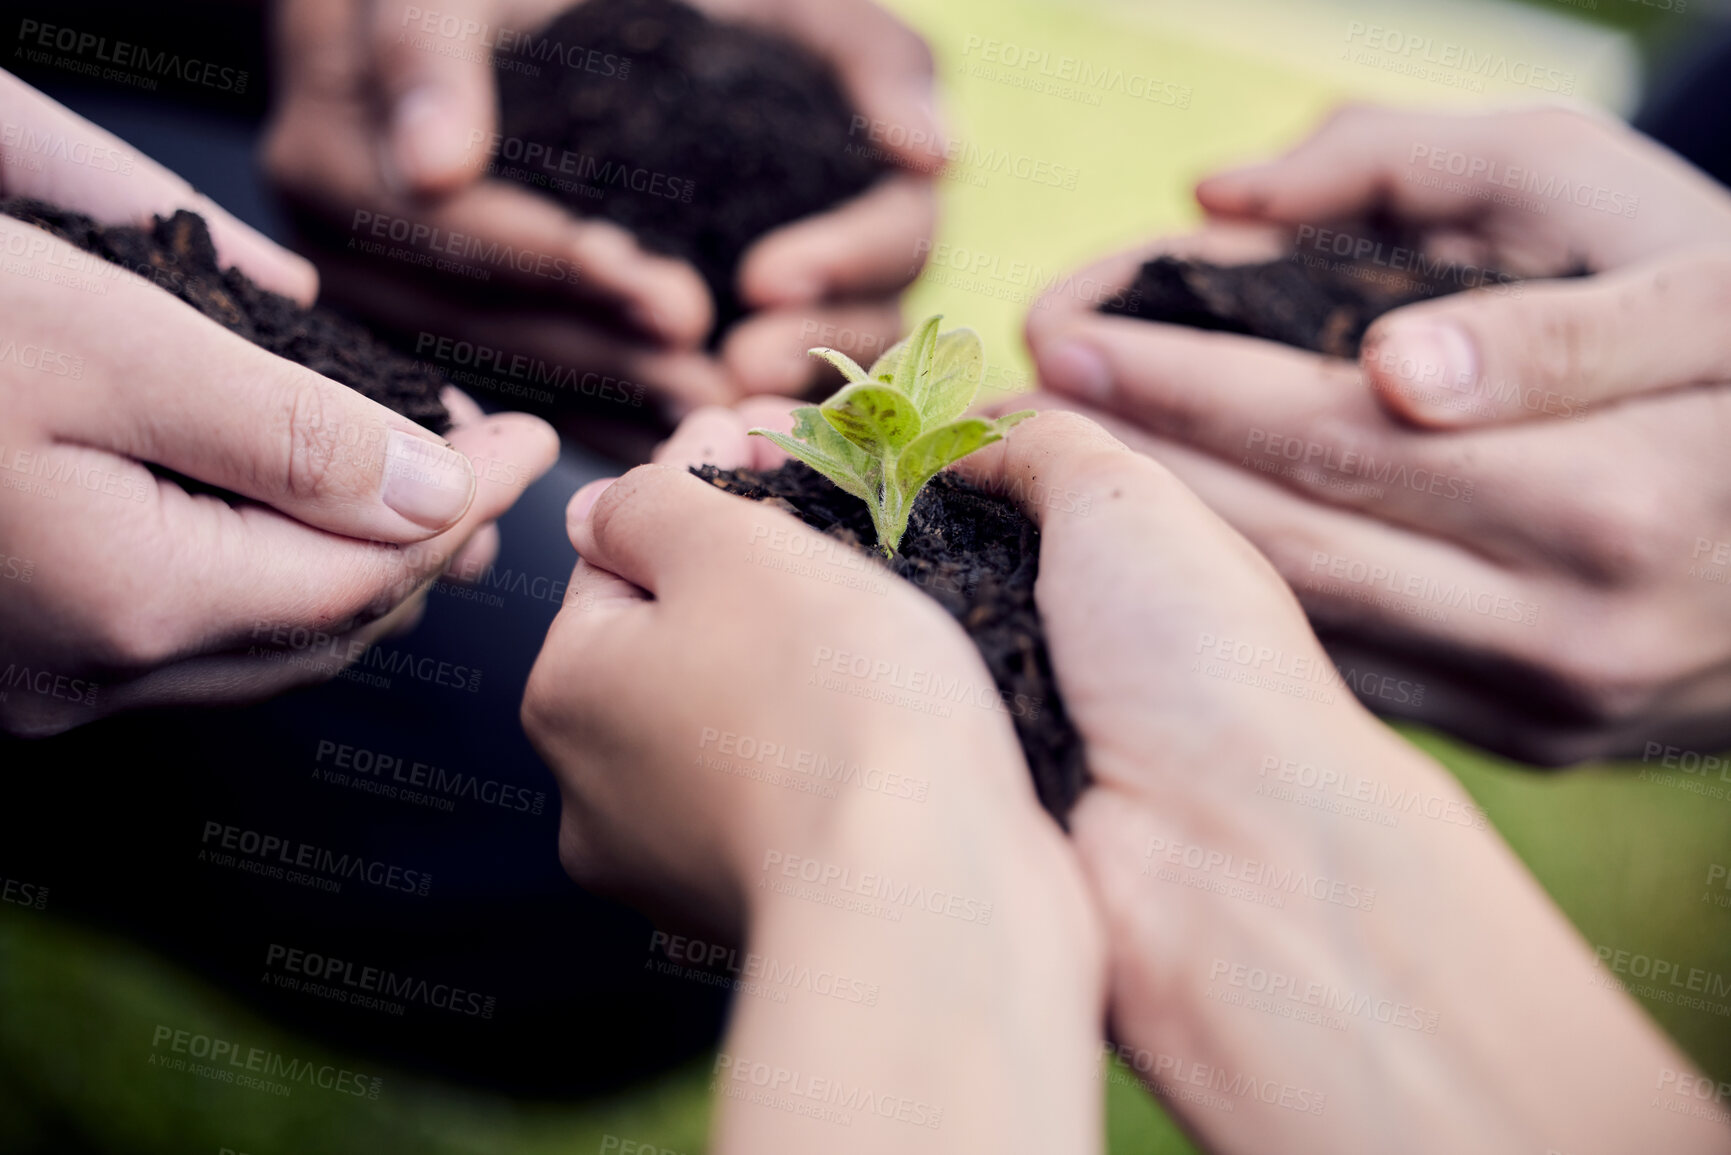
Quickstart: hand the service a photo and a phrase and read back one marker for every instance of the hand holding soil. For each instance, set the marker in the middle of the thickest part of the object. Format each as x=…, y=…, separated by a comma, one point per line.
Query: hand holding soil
x=670, y=800
x=1196, y=685
x=716, y=771
x=143, y=591
x=393, y=117
x=1544, y=575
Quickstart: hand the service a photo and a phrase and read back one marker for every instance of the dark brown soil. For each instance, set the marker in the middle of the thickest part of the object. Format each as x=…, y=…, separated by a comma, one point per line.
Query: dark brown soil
x=1311, y=299
x=176, y=254
x=978, y=556
x=698, y=136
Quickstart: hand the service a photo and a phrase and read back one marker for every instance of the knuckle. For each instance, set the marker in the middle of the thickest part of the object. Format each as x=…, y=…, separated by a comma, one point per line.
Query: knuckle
x=1564, y=348
x=139, y=638
x=1598, y=677
x=312, y=443
x=1617, y=531
x=612, y=518
x=575, y=852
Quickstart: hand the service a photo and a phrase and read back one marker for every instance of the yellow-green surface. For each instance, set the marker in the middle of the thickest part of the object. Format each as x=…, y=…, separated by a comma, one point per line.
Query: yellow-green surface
x=1626, y=856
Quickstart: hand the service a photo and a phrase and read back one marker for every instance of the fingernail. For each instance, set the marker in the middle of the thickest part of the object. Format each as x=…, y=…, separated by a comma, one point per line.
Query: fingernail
x=1072, y=367
x=426, y=481
x=584, y=500
x=424, y=139
x=1429, y=355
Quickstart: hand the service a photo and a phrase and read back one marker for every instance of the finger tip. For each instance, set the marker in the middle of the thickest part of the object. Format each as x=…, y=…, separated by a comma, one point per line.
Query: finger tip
x=580, y=507
x=1075, y=367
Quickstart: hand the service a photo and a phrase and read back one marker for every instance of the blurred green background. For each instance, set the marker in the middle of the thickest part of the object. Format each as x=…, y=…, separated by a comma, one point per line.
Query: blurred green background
x=1624, y=856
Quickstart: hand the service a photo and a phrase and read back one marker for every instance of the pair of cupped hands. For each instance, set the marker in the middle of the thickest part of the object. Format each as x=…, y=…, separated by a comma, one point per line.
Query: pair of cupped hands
x=125, y=592
x=712, y=655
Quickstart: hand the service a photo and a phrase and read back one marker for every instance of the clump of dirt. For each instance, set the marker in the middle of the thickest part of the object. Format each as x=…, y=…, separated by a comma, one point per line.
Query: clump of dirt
x=1311, y=300
x=699, y=136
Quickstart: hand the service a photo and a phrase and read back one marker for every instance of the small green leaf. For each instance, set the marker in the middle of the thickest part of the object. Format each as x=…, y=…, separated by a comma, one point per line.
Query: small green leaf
x=836, y=471
x=848, y=366
x=880, y=419
x=958, y=367
x=888, y=368
x=936, y=448
x=915, y=374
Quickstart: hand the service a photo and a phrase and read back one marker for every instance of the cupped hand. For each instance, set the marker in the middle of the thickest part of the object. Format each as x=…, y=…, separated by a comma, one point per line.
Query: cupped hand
x=1549, y=588
x=122, y=589
x=381, y=106
x=1537, y=192
x=722, y=681
x=733, y=707
x=1315, y=942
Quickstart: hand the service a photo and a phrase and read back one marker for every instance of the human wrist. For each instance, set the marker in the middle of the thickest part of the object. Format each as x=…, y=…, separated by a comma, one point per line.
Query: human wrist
x=974, y=966
x=1458, y=980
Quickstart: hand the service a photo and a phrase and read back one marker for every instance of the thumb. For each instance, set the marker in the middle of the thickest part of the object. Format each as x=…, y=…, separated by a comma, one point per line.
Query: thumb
x=435, y=71
x=1488, y=358
x=171, y=387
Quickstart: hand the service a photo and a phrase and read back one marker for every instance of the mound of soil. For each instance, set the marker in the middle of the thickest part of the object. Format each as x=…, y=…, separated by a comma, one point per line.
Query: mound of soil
x=176, y=254
x=977, y=555
x=1311, y=300
x=698, y=136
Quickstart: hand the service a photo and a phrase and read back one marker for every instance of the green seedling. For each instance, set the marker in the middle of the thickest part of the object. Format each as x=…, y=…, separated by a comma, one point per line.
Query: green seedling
x=889, y=431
